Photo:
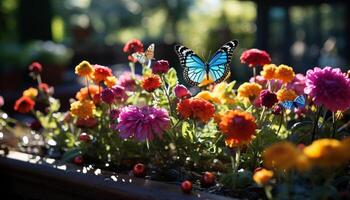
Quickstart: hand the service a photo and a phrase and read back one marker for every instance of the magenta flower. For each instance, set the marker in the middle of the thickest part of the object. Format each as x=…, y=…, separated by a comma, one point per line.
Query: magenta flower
x=181, y=92
x=142, y=123
x=160, y=67
x=267, y=98
x=128, y=81
x=1, y=101
x=108, y=95
x=298, y=84
x=259, y=80
x=120, y=93
x=328, y=87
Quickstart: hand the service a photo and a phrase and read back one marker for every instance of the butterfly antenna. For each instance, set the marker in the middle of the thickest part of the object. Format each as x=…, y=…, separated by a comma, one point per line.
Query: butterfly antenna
x=209, y=55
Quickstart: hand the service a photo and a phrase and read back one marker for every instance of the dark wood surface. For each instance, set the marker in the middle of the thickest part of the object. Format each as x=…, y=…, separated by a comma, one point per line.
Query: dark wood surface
x=24, y=176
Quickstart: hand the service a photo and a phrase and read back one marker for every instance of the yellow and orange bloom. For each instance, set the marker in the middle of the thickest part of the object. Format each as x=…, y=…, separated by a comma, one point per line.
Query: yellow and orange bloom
x=196, y=108
x=83, y=93
x=249, y=90
x=281, y=156
x=30, y=92
x=286, y=95
x=239, y=127
x=83, y=109
x=269, y=71
x=151, y=83
x=326, y=153
x=110, y=81
x=284, y=73
x=84, y=69
x=100, y=73
x=263, y=176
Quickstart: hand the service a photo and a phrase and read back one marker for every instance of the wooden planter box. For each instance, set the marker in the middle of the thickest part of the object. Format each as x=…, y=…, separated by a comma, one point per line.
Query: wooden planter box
x=24, y=176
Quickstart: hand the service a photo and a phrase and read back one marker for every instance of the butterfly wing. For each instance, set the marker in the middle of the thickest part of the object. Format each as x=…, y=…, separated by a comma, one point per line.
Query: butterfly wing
x=140, y=57
x=150, y=52
x=194, y=68
x=300, y=101
x=288, y=105
x=219, y=68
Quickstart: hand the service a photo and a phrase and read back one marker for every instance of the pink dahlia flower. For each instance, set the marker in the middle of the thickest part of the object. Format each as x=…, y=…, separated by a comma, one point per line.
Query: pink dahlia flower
x=142, y=123
x=298, y=84
x=328, y=87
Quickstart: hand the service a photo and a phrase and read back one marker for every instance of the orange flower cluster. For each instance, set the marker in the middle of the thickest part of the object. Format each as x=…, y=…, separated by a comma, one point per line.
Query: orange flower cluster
x=323, y=153
x=238, y=126
x=283, y=73
x=151, y=83
x=83, y=93
x=101, y=73
x=196, y=108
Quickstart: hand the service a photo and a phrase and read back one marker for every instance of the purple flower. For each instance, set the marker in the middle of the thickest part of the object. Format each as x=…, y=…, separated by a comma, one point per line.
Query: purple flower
x=259, y=80
x=128, y=81
x=108, y=95
x=328, y=87
x=114, y=114
x=181, y=91
x=267, y=98
x=142, y=123
x=277, y=110
x=298, y=84
x=120, y=93
x=160, y=67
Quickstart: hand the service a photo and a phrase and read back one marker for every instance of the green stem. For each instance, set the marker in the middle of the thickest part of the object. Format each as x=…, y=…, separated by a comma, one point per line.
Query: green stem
x=314, y=131
x=235, y=164
x=254, y=74
x=132, y=68
x=281, y=121
x=334, y=125
x=166, y=90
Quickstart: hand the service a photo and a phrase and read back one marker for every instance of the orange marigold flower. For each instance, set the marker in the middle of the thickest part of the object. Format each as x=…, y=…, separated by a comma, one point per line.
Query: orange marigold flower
x=263, y=176
x=238, y=126
x=83, y=109
x=151, y=82
x=249, y=90
x=84, y=69
x=326, y=153
x=30, y=92
x=269, y=71
x=284, y=73
x=281, y=156
x=24, y=105
x=110, y=81
x=83, y=93
x=286, y=95
x=101, y=73
x=196, y=108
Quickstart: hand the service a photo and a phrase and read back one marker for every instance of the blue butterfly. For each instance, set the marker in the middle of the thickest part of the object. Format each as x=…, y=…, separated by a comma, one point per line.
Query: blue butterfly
x=196, y=71
x=299, y=102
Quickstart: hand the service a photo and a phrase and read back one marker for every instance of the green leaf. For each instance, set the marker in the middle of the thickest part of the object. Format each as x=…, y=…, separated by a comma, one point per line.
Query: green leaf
x=171, y=77
x=230, y=86
x=69, y=155
x=54, y=105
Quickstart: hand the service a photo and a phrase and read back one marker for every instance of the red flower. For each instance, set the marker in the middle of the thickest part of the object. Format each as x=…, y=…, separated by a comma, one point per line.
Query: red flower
x=255, y=57
x=267, y=98
x=196, y=108
x=151, y=83
x=101, y=73
x=186, y=186
x=44, y=87
x=24, y=105
x=160, y=67
x=131, y=47
x=86, y=123
x=35, y=67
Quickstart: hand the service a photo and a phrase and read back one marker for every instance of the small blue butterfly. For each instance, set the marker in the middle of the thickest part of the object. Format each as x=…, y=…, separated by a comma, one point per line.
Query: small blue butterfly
x=196, y=71
x=299, y=102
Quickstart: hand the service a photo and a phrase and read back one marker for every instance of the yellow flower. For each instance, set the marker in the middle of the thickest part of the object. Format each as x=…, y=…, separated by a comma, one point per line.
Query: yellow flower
x=262, y=176
x=303, y=163
x=207, y=96
x=218, y=95
x=110, y=81
x=269, y=71
x=82, y=109
x=280, y=156
x=284, y=73
x=286, y=95
x=84, y=69
x=249, y=90
x=327, y=153
x=30, y=92
x=225, y=97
